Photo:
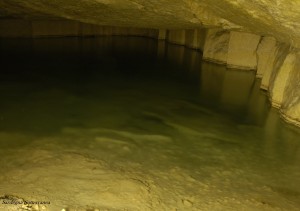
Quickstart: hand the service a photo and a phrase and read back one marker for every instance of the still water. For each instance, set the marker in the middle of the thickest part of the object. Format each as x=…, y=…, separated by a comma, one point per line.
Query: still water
x=127, y=123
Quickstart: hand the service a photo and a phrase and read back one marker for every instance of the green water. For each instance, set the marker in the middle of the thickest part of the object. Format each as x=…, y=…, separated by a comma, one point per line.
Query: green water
x=202, y=137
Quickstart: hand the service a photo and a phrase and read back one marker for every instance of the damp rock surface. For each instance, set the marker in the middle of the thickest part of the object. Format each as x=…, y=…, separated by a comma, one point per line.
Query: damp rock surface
x=263, y=17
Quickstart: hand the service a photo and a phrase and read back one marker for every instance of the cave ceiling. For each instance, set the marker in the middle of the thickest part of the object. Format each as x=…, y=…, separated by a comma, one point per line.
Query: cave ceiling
x=278, y=18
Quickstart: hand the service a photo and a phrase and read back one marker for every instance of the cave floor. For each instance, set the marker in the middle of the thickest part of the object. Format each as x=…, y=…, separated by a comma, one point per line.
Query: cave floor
x=129, y=124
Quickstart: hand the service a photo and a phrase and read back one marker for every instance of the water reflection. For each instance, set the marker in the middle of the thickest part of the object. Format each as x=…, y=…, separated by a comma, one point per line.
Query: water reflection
x=175, y=54
x=212, y=77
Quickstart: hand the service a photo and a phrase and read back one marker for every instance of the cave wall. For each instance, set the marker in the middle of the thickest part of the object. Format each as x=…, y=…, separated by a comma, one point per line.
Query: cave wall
x=275, y=18
x=276, y=63
x=242, y=50
x=216, y=45
x=57, y=28
x=290, y=106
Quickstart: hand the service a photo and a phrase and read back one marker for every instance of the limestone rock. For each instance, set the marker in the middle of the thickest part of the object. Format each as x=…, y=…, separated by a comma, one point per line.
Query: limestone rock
x=265, y=17
x=273, y=61
x=280, y=78
x=279, y=18
x=62, y=28
x=216, y=45
x=265, y=49
x=242, y=50
x=291, y=97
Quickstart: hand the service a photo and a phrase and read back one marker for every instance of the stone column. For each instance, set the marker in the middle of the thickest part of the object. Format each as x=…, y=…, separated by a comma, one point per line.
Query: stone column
x=216, y=45
x=242, y=50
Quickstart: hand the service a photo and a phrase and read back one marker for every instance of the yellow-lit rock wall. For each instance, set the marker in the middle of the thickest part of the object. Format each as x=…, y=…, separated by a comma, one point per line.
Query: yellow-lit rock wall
x=242, y=50
x=216, y=45
x=265, y=54
x=276, y=18
x=290, y=106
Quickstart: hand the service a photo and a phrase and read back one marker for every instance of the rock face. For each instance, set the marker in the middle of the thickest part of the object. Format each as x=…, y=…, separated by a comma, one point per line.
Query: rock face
x=54, y=28
x=290, y=107
x=275, y=58
x=265, y=54
x=216, y=45
x=261, y=35
x=242, y=50
x=279, y=18
x=280, y=78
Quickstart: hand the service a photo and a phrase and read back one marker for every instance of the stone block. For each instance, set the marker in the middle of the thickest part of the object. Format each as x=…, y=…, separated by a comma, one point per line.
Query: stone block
x=280, y=78
x=290, y=108
x=242, y=50
x=216, y=45
x=273, y=62
x=265, y=51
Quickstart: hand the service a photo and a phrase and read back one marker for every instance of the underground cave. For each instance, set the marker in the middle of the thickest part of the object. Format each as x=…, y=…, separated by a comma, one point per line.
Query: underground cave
x=149, y=105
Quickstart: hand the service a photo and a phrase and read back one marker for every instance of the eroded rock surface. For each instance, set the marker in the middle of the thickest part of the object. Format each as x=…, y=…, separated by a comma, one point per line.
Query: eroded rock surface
x=266, y=17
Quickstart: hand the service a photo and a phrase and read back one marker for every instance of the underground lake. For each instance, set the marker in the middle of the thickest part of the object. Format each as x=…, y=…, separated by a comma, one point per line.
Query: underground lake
x=132, y=123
